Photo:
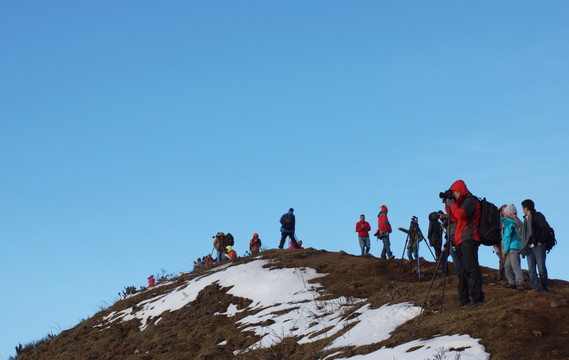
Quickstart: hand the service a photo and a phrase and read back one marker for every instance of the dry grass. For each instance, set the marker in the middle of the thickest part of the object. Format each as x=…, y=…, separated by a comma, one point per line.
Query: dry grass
x=513, y=325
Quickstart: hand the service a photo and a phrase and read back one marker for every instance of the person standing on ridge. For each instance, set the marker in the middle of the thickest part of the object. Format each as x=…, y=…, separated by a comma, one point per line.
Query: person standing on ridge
x=383, y=231
x=534, y=233
x=511, y=238
x=288, y=223
x=363, y=228
x=255, y=244
x=466, y=209
x=415, y=236
x=435, y=233
x=219, y=244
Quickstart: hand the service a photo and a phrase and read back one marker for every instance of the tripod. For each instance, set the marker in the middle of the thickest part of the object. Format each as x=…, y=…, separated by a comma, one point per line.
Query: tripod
x=444, y=257
x=413, y=231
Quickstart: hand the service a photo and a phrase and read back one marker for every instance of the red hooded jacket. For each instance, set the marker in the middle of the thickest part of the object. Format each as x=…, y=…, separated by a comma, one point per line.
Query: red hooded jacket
x=466, y=210
x=383, y=223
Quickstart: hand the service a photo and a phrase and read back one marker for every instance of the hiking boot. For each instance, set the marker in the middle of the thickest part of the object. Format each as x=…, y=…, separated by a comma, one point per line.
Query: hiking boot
x=476, y=303
x=510, y=286
x=462, y=305
x=521, y=286
x=391, y=257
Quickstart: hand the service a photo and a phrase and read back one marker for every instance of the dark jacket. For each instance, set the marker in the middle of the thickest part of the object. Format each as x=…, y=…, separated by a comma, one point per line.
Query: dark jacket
x=435, y=233
x=466, y=210
x=291, y=229
x=539, y=228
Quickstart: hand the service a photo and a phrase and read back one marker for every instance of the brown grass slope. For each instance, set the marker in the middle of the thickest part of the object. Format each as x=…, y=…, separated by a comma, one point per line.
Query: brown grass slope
x=512, y=325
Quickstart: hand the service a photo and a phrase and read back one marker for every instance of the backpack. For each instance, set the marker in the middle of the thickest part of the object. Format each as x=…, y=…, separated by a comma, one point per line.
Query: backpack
x=550, y=241
x=288, y=221
x=489, y=227
x=229, y=239
x=549, y=238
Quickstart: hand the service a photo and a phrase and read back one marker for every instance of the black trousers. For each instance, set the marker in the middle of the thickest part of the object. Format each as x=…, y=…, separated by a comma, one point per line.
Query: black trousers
x=291, y=236
x=469, y=274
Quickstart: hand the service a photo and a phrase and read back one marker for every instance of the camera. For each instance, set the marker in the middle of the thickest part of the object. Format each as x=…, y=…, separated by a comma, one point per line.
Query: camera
x=447, y=195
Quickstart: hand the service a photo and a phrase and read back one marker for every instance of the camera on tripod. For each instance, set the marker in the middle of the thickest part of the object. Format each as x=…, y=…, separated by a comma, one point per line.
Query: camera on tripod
x=449, y=194
x=414, y=220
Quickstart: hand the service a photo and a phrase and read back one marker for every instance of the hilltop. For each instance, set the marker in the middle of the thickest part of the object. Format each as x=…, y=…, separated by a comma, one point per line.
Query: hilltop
x=314, y=304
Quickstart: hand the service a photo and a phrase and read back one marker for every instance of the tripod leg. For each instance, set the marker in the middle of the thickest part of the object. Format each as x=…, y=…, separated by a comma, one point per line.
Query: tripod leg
x=418, y=261
x=430, y=286
x=431, y=251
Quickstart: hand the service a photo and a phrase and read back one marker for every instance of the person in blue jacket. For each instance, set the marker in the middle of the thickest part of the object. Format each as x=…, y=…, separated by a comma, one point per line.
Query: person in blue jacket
x=511, y=238
x=288, y=223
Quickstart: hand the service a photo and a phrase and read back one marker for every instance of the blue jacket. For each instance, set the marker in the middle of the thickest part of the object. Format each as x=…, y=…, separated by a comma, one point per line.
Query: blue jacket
x=291, y=231
x=511, y=237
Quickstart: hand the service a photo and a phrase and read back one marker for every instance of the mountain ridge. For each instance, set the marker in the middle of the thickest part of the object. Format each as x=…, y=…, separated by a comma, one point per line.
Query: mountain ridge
x=210, y=320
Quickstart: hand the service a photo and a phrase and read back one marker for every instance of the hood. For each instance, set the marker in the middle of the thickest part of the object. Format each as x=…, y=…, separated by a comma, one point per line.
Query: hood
x=433, y=216
x=384, y=209
x=460, y=186
x=229, y=248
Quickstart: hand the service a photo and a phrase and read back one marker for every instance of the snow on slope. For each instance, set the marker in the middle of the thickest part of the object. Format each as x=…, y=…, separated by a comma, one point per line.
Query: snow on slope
x=285, y=297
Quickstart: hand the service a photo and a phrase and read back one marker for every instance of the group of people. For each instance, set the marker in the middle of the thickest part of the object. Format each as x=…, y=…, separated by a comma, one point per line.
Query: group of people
x=526, y=239
x=461, y=220
x=518, y=238
x=223, y=243
x=383, y=230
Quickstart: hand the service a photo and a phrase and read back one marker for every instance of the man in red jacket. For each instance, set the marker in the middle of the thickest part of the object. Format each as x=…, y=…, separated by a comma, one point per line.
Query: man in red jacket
x=466, y=210
x=383, y=231
x=363, y=228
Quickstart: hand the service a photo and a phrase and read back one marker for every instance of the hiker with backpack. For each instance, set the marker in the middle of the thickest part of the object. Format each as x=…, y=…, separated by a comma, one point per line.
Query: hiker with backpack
x=363, y=228
x=383, y=231
x=255, y=244
x=511, y=240
x=288, y=223
x=465, y=208
x=537, y=239
x=435, y=233
x=220, y=244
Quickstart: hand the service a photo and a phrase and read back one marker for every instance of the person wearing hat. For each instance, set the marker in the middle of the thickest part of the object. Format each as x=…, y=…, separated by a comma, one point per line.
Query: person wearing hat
x=255, y=244
x=151, y=281
x=511, y=239
x=534, y=231
x=383, y=231
x=435, y=233
x=219, y=244
x=465, y=208
x=231, y=254
x=288, y=223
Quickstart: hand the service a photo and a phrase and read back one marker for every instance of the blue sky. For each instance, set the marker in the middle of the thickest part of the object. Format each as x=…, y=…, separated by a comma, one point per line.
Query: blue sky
x=132, y=132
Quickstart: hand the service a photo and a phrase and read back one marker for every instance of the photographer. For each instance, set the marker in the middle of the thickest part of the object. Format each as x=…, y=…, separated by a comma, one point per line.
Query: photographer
x=219, y=244
x=464, y=207
x=435, y=233
x=415, y=235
